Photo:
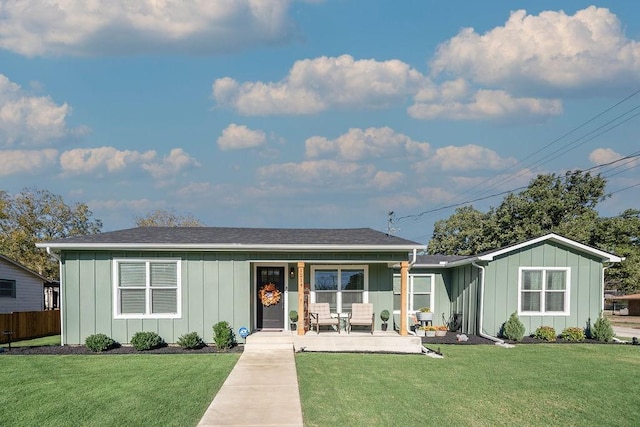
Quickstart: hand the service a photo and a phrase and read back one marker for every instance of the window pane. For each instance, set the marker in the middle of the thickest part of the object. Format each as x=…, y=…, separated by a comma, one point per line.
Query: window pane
x=164, y=301
x=352, y=280
x=421, y=300
x=530, y=301
x=396, y=302
x=396, y=284
x=164, y=274
x=556, y=280
x=132, y=274
x=326, y=280
x=329, y=297
x=8, y=288
x=532, y=279
x=554, y=301
x=349, y=298
x=132, y=301
x=421, y=284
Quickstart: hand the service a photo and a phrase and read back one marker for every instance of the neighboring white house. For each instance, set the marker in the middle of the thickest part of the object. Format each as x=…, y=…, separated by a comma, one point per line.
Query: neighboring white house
x=21, y=289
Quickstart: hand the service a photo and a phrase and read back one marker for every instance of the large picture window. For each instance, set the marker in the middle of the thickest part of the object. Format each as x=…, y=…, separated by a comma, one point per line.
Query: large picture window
x=419, y=290
x=340, y=286
x=7, y=288
x=147, y=288
x=543, y=291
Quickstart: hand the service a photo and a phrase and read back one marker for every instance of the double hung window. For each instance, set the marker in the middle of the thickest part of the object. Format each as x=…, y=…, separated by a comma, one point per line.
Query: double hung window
x=544, y=291
x=147, y=288
x=340, y=286
x=7, y=288
x=419, y=292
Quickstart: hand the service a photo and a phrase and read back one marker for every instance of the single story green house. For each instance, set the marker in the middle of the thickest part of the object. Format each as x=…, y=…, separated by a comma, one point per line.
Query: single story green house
x=175, y=280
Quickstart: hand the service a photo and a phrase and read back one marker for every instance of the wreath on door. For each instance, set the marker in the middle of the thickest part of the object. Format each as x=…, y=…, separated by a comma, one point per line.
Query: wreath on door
x=269, y=294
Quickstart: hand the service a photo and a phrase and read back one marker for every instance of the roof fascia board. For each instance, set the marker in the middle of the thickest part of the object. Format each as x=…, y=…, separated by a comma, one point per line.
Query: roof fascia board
x=229, y=247
x=556, y=238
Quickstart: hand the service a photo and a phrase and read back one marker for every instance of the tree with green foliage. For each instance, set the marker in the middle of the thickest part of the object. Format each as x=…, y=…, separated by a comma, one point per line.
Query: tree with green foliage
x=167, y=218
x=35, y=215
x=552, y=203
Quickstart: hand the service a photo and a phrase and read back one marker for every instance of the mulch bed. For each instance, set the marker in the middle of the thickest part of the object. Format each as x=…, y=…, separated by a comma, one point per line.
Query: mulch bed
x=62, y=350
x=451, y=338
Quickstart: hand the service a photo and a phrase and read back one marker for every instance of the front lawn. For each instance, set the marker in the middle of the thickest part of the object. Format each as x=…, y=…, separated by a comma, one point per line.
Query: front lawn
x=110, y=390
x=541, y=384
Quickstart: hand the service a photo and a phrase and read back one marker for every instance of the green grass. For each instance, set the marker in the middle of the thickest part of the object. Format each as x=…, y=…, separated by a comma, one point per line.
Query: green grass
x=530, y=385
x=51, y=340
x=110, y=390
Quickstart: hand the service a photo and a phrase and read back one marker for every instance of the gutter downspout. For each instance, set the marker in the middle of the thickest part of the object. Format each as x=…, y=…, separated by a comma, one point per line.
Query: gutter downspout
x=61, y=296
x=498, y=341
x=604, y=267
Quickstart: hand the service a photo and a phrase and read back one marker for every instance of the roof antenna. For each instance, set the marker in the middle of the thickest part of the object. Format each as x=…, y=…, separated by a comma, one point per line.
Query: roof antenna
x=390, y=219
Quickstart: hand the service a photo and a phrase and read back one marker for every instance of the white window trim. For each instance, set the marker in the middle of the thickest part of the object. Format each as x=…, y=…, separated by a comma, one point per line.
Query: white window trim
x=542, y=312
x=339, y=267
x=411, y=309
x=148, y=314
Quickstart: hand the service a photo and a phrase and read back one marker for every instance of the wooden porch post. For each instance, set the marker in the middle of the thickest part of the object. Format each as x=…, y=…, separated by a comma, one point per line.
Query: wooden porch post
x=404, y=279
x=301, y=313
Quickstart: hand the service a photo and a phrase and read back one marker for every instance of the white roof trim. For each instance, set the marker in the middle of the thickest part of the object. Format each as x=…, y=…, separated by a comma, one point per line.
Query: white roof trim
x=229, y=247
x=556, y=238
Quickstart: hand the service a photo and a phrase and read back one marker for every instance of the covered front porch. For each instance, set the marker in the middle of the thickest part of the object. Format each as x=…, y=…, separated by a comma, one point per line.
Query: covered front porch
x=331, y=341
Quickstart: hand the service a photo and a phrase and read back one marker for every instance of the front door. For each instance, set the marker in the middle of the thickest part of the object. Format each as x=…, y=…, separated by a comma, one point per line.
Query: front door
x=270, y=297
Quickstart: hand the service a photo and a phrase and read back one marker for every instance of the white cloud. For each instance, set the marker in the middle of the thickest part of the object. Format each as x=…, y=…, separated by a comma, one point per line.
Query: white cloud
x=315, y=85
x=26, y=161
x=29, y=120
x=80, y=27
x=469, y=157
x=170, y=165
x=109, y=159
x=600, y=156
x=384, y=179
x=317, y=172
x=488, y=104
x=236, y=137
x=551, y=49
x=357, y=144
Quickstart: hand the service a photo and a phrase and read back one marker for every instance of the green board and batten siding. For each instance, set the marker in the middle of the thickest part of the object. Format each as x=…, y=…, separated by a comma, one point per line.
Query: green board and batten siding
x=501, y=287
x=215, y=286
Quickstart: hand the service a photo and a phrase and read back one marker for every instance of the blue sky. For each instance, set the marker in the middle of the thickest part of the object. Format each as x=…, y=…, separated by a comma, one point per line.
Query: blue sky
x=273, y=113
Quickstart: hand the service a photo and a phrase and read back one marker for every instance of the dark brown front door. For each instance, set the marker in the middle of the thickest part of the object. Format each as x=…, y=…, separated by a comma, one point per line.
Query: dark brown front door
x=270, y=297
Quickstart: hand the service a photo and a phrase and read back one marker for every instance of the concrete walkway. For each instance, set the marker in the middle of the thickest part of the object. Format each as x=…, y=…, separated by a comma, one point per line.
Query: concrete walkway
x=626, y=332
x=262, y=389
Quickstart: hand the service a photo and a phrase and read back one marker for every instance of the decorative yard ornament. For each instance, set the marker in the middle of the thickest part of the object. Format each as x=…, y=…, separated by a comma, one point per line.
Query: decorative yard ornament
x=243, y=332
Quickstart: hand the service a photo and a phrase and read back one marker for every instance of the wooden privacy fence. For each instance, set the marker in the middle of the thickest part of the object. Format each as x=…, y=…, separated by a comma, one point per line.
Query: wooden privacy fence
x=29, y=324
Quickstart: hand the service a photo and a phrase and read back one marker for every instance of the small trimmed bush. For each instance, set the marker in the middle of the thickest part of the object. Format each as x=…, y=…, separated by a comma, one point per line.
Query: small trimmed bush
x=143, y=341
x=222, y=335
x=513, y=329
x=99, y=342
x=602, y=330
x=573, y=334
x=190, y=341
x=546, y=333
x=293, y=316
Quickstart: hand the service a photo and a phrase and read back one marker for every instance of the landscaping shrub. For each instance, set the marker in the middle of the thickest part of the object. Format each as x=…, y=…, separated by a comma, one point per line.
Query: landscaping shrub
x=513, y=329
x=142, y=341
x=222, y=335
x=573, y=334
x=602, y=330
x=190, y=341
x=547, y=333
x=99, y=342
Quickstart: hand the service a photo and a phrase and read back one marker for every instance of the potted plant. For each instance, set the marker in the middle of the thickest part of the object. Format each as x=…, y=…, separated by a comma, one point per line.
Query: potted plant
x=441, y=330
x=293, y=317
x=429, y=330
x=424, y=314
x=420, y=331
x=384, y=315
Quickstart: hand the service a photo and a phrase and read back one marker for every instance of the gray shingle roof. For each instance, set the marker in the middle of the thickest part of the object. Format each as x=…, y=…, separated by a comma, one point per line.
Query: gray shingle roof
x=233, y=236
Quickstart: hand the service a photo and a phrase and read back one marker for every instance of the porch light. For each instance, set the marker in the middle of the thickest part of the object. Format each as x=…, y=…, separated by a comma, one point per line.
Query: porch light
x=292, y=273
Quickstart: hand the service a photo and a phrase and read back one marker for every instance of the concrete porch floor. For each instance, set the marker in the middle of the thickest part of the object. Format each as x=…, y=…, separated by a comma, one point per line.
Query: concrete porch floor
x=332, y=341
